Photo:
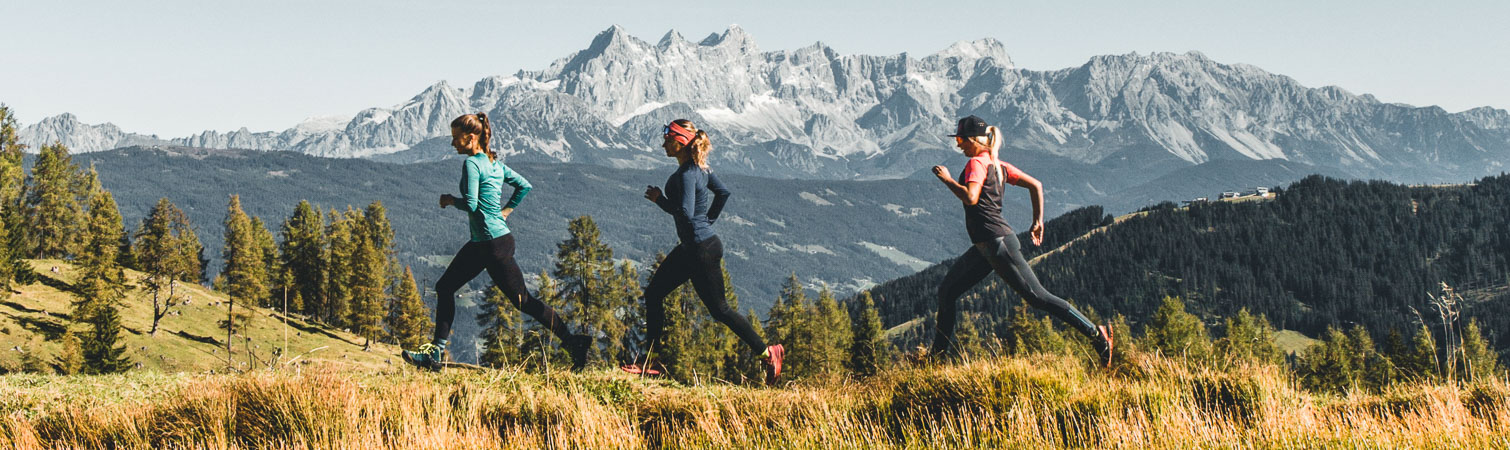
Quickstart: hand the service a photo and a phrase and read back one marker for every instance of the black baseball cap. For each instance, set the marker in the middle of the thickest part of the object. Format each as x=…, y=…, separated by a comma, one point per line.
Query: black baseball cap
x=970, y=126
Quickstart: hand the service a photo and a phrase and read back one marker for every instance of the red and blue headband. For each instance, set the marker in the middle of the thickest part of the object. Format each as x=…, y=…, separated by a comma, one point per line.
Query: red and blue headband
x=680, y=134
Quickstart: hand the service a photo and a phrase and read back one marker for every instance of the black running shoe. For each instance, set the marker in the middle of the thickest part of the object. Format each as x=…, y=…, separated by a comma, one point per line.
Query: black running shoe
x=577, y=346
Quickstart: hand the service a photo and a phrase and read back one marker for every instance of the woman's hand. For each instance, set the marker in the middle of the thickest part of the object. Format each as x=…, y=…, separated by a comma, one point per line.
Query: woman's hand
x=505, y=213
x=943, y=174
x=446, y=200
x=652, y=193
x=1037, y=232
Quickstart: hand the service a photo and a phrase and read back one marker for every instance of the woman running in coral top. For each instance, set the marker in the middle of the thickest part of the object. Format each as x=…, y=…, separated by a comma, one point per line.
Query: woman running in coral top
x=995, y=246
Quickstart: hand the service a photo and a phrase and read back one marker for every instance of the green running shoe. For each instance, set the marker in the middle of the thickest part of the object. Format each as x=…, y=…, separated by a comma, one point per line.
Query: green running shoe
x=429, y=357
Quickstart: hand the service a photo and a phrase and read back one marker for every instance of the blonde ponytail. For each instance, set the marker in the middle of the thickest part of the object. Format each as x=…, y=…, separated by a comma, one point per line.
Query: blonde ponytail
x=992, y=139
x=700, y=146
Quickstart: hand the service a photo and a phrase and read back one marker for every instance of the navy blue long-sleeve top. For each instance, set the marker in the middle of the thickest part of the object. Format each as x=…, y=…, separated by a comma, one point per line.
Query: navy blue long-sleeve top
x=694, y=197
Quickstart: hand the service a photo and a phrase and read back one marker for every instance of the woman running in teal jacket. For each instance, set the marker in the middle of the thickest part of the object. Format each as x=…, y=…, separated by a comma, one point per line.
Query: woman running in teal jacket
x=491, y=247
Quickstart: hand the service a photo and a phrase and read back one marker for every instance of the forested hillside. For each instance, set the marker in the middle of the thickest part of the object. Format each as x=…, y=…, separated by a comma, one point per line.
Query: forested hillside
x=1325, y=252
x=848, y=234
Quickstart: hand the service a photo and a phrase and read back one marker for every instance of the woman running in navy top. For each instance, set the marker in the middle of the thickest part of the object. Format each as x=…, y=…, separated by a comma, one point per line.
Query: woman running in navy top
x=694, y=197
x=995, y=245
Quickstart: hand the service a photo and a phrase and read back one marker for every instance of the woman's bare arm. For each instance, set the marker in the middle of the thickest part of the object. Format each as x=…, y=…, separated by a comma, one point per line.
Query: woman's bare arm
x=1035, y=192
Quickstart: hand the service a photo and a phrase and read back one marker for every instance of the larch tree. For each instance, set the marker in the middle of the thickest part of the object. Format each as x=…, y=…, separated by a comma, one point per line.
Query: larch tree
x=268, y=249
x=104, y=281
x=869, y=349
x=344, y=237
x=372, y=263
x=835, y=331
x=408, y=319
x=597, y=291
x=52, y=206
x=303, y=252
x=12, y=182
x=167, y=252
x=102, y=287
x=245, y=270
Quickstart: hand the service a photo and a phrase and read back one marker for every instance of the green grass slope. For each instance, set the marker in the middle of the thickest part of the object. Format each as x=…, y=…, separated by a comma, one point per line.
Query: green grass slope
x=34, y=317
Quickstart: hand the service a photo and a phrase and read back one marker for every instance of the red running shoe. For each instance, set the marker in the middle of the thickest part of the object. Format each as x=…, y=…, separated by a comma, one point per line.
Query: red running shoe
x=1103, y=344
x=643, y=370
x=774, y=355
x=649, y=367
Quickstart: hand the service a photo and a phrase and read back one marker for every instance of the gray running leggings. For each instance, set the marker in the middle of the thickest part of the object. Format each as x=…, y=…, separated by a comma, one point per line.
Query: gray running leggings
x=1004, y=255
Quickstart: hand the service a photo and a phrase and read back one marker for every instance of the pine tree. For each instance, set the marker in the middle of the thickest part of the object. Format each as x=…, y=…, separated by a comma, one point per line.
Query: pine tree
x=1375, y=369
x=408, y=319
x=52, y=206
x=303, y=252
x=623, y=294
x=595, y=288
x=781, y=323
x=268, y=249
x=12, y=181
x=1480, y=362
x=1178, y=333
x=99, y=347
x=245, y=270
x=747, y=362
x=971, y=338
x=1417, y=359
x=795, y=323
x=1029, y=333
x=673, y=349
x=533, y=349
x=343, y=238
x=870, y=348
x=88, y=181
x=676, y=345
x=369, y=276
x=103, y=284
x=167, y=252
x=1126, y=349
x=31, y=363
x=716, y=349
x=377, y=228
x=70, y=359
x=1327, y=365
x=1249, y=338
x=503, y=329
x=832, y=333
x=1345, y=360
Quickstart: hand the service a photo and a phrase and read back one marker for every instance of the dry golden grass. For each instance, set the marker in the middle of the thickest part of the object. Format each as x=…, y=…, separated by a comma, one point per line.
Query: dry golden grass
x=1036, y=401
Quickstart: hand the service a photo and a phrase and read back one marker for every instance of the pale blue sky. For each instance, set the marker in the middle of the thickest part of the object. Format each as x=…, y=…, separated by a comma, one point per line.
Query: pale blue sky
x=173, y=67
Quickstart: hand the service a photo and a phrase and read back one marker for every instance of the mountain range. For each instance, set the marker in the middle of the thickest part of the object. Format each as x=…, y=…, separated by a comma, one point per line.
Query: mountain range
x=1115, y=122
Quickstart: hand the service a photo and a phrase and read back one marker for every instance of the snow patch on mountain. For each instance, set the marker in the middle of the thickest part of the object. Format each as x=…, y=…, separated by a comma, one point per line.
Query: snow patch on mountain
x=814, y=113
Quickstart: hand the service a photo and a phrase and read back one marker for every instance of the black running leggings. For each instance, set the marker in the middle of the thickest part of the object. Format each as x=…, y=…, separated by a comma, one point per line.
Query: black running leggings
x=700, y=263
x=497, y=256
x=1004, y=255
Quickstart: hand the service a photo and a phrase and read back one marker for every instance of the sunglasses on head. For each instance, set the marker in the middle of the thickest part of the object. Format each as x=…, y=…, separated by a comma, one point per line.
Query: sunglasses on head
x=682, y=135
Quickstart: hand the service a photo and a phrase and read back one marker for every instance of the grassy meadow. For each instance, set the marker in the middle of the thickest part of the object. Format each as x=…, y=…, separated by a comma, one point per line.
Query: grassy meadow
x=1028, y=401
